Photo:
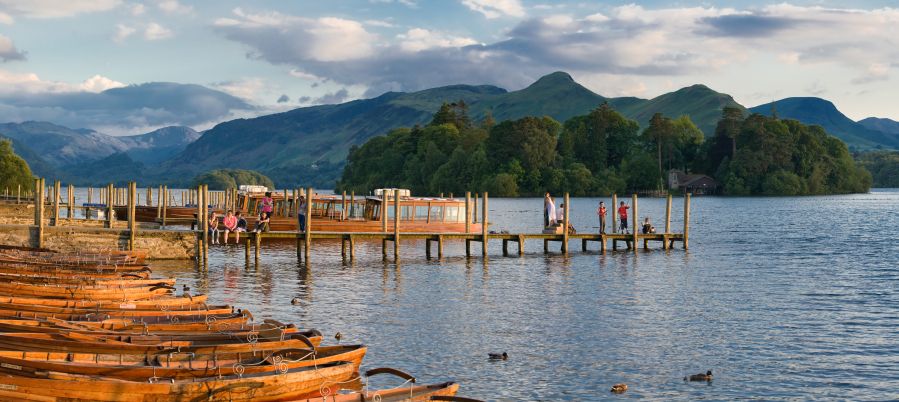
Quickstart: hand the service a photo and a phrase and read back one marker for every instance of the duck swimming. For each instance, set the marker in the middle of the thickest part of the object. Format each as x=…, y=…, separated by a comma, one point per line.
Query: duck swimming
x=295, y=301
x=700, y=377
x=498, y=356
x=619, y=388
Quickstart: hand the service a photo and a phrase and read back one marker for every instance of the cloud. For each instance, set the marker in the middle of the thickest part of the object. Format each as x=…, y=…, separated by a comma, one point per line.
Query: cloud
x=8, y=51
x=154, y=31
x=55, y=8
x=283, y=98
x=625, y=42
x=137, y=9
x=408, y=3
x=174, y=7
x=379, y=23
x=326, y=39
x=247, y=88
x=122, y=32
x=117, y=109
x=496, y=8
x=332, y=97
x=418, y=39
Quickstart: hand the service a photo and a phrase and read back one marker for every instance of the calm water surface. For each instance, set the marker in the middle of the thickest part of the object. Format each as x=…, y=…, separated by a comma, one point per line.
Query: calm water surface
x=783, y=298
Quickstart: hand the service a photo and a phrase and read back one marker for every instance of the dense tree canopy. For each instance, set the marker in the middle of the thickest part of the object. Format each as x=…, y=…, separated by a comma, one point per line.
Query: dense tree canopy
x=600, y=153
x=14, y=171
x=884, y=167
x=221, y=179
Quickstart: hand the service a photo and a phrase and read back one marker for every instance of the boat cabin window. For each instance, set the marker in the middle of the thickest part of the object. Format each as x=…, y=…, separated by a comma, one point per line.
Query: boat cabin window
x=436, y=213
x=421, y=212
x=406, y=212
x=452, y=214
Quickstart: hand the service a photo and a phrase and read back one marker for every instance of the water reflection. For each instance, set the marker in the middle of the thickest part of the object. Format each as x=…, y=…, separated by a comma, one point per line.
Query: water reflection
x=802, y=317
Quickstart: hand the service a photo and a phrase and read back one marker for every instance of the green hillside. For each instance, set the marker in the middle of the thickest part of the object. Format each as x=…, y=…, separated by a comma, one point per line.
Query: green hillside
x=701, y=103
x=822, y=112
x=310, y=144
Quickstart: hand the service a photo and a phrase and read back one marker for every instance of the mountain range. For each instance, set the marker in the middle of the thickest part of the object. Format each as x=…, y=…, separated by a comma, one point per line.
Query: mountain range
x=309, y=145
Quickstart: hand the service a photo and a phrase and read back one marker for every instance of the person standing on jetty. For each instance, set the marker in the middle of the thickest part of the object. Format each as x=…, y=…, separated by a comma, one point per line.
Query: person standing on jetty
x=301, y=215
x=546, y=202
x=601, y=212
x=549, y=211
x=268, y=204
x=622, y=213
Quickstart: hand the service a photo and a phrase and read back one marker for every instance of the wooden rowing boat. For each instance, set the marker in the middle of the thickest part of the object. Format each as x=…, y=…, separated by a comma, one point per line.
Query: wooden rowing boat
x=130, y=326
x=84, y=280
x=22, y=310
x=412, y=393
x=165, y=302
x=53, y=386
x=96, y=292
x=178, y=365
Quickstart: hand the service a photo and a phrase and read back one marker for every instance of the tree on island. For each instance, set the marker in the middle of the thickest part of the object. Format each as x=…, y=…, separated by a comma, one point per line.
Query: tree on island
x=14, y=171
x=222, y=179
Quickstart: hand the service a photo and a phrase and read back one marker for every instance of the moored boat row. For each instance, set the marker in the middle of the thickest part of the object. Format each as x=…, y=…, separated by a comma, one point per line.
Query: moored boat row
x=98, y=326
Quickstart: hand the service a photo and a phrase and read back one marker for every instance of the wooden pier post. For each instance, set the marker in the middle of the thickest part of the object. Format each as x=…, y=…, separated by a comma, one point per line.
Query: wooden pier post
x=132, y=223
x=665, y=245
x=18, y=194
x=165, y=203
x=149, y=200
x=384, y=214
x=484, y=224
x=205, y=208
x=565, y=220
x=475, y=209
x=159, y=203
x=352, y=206
x=110, y=220
x=258, y=237
x=39, y=211
x=468, y=212
x=70, y=204
x=285, y=207
x=343, y=207
x=396, y=225
x=247, y=248
x=520, y=245
x=308, y=237
x=56, y=187
x=296, y=207
x=199, y=227
x=614, y=213
x=686, y=220
x=352, y=247
x=634, y=218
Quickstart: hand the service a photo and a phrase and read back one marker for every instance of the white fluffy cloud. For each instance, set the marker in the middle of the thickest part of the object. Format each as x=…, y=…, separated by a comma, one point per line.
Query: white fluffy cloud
x=496, y=8
x=277, y=36
x=174, y=7
x=30, y=83
x=122, y=32
x=8, y=50
x=626, y=42
x=55, y=8
x=99, y=83
x=418, y=39
x=154, y=31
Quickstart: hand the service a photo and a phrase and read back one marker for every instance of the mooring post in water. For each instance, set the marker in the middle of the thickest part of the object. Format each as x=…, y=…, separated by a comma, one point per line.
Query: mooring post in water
x=308, y=238
x=343, y=207
x=634, y=220
x=247, y=248
x=165, y=203
x=39, y=211
x=468, y=212
x=484, y=224
x=565, y=226
x=665, y=245
x=159, y=203
x=686, y=220
x=475, y=210
x=352, y=205
x=70, y=203
x=56, y=187
x=199, y=226
x=614, y=213
x=132, y=223
x=396, y=225
x=110, y=220
x=206, y=239
x=149, y=198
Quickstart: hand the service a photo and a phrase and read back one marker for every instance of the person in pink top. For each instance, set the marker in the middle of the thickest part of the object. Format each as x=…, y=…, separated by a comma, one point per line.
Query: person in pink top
x=230, y=224
x=268, y=204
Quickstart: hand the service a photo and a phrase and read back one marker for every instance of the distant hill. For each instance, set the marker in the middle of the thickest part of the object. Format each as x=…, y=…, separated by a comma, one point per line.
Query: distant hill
x=883, y=125
x=117, y=168
x=810, y=110
x=36, y=163
x=309, y=145
x=702, y=104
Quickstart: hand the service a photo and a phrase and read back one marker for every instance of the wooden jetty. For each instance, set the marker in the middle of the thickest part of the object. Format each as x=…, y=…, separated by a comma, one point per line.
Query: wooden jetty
x=253, y=240
x=62, y=217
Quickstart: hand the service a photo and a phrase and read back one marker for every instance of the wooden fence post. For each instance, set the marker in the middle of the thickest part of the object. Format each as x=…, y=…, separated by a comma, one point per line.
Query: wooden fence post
x=56, y=187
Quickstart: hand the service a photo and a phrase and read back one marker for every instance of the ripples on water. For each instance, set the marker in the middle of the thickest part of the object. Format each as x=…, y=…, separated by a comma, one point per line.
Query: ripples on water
x=783, y=298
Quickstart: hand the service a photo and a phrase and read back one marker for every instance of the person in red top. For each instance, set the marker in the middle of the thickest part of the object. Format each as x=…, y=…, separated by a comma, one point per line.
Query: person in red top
x=622, y=213
x=230, y=223
x=601, y=212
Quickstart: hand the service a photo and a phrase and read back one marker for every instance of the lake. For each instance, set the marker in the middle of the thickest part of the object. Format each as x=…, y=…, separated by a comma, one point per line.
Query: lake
x=782, y=298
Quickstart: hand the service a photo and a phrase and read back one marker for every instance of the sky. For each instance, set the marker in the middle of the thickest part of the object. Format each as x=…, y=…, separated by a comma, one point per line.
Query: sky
x=129, y=66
